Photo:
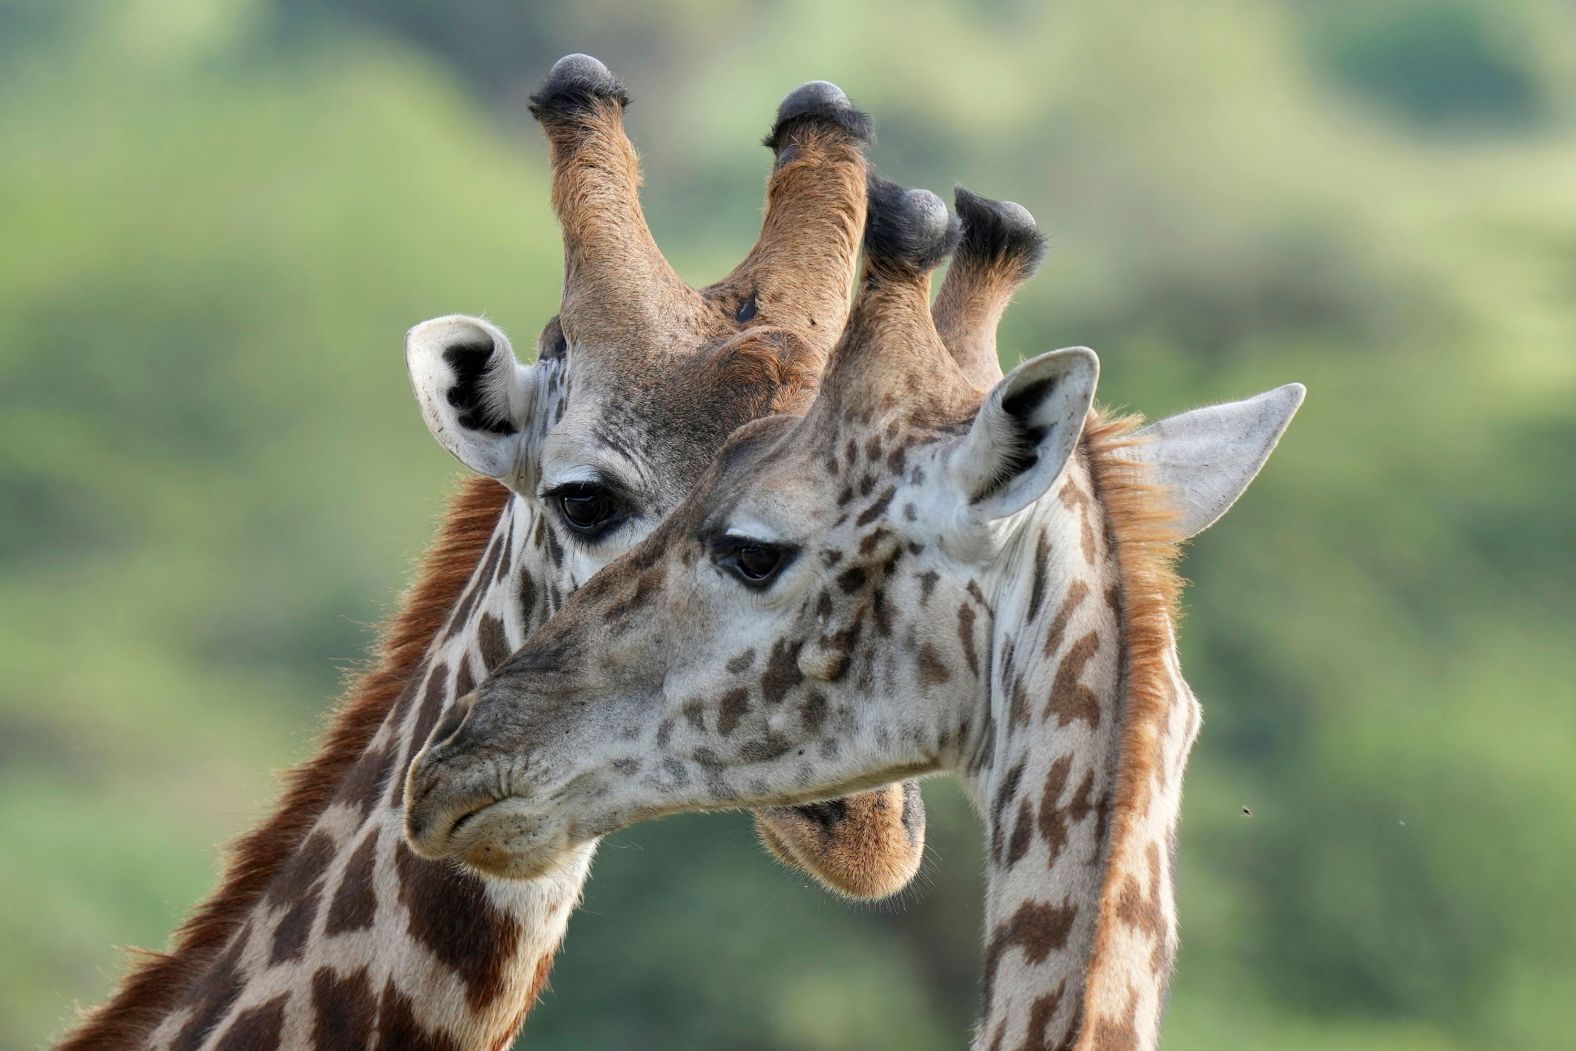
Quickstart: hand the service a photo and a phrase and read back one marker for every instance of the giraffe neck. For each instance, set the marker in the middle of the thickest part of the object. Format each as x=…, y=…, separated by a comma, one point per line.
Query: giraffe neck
x=354, y=941
x=1079, y=777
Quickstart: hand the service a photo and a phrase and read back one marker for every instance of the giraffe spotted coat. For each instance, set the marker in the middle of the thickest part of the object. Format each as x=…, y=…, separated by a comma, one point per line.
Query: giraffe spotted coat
x=915, y=577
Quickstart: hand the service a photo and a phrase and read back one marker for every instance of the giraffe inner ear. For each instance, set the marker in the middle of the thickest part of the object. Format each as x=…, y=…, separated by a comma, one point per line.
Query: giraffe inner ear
x=1206, y=458
x=475, y=396
x=1024, y=432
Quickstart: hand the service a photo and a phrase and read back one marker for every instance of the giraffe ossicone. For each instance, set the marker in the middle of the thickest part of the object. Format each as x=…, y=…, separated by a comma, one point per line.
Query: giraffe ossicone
x=919, y=575
x=326, y=931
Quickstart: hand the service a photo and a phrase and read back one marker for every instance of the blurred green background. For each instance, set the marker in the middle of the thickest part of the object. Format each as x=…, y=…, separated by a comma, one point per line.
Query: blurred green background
x=219, y=216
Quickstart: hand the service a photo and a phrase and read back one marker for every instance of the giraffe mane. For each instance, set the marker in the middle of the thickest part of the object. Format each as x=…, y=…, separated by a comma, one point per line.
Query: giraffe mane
x=153, y=988
x=1141, y=527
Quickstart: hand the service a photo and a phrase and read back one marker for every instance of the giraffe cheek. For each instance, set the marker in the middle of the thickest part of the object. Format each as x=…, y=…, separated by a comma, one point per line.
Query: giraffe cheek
x=821, y=659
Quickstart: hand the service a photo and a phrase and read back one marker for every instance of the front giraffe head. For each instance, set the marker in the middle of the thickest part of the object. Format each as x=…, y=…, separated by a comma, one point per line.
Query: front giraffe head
x=640, y=378
x=911, y=578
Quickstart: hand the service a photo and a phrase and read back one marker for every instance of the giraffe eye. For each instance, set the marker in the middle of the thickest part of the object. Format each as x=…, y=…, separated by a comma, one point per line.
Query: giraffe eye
x=591, y=510
x=753, y=563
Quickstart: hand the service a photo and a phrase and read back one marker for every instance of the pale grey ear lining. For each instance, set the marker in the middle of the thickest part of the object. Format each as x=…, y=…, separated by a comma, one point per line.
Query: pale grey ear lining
x=1024, y=432
x=1023, y=450
x=1207, y=457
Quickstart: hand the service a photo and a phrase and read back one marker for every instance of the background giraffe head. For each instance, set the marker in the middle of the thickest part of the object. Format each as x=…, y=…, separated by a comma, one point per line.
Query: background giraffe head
x=910, y=232
x=640, y=378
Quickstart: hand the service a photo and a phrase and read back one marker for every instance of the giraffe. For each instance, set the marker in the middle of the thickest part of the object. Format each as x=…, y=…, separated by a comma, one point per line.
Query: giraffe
x=326, y=931
x=927, y=572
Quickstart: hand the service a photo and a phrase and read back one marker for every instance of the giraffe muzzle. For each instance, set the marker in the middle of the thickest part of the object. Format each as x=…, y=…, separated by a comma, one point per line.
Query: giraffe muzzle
x=466, y=800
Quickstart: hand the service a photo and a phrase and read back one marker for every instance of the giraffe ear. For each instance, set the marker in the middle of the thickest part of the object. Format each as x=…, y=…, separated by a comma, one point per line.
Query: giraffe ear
x=475, y=396
x=1206, y=458
x=1024, y=431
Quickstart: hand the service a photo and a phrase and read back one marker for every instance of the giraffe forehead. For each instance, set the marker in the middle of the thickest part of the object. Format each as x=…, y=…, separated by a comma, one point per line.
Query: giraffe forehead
x=666, y=426
x=767, y=487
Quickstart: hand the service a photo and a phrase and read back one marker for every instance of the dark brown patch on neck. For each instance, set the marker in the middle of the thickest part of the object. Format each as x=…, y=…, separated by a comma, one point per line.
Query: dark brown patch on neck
x=398, y=1029
x=1058, y=631
x=966, y=637
x=344, y=1010
x=366, y=780
x=257, y=1028
x=932, y=669
x=1056, y=820
x=301, y=885
x=491, y=641
x=1004, y=795
x=1071, y=699
x=1037, y=587
x=1076, y=500
x=1036, y=928
x=449, y=913
x=433, y=698
x=213, y=996
x=355, y=904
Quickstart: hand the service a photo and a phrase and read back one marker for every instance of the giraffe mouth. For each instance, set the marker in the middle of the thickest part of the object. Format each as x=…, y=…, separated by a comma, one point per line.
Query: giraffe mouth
x=506, y=838
x=463, y=820
x=435, y=831
x=466, y=820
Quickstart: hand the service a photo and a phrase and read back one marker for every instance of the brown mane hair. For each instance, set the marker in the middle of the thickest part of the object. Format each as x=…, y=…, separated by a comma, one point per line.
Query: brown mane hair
x=149, y=992
x=1141, y=526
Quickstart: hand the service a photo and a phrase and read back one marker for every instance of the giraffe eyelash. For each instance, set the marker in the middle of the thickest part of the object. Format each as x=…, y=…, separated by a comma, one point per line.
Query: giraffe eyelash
x=592, y=511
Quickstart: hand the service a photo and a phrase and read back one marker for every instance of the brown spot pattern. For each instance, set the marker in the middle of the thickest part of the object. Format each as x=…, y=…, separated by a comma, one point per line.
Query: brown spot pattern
x=364, y=784
x=1075, y=499
x=1004, y=795
x=1022, y=834
x=398, y=1029
x=300, y=884
x=1037, y=586
x=1018, y=709
x=813, y=711
x=433, y=698
x=448, y=912
x=491, y=640
x=214, y=996
x=1036, y=928
x=1142, y=909
x=1056, y=821
x=932, y=669
x=1071, y=699
x=355, y=904
x=782, y=671
x=876, y=509
x=343, y=1010
x=966, y=637
x=257, y=1028
x=1058, y=631
x=1041, y=1014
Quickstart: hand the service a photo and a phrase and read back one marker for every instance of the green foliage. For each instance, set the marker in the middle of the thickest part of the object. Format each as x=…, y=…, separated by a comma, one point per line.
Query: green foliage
x=1431, y=62
x=222, y=214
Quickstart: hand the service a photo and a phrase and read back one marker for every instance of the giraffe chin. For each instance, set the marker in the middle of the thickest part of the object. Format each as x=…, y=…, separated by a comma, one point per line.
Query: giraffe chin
x=510, y=839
